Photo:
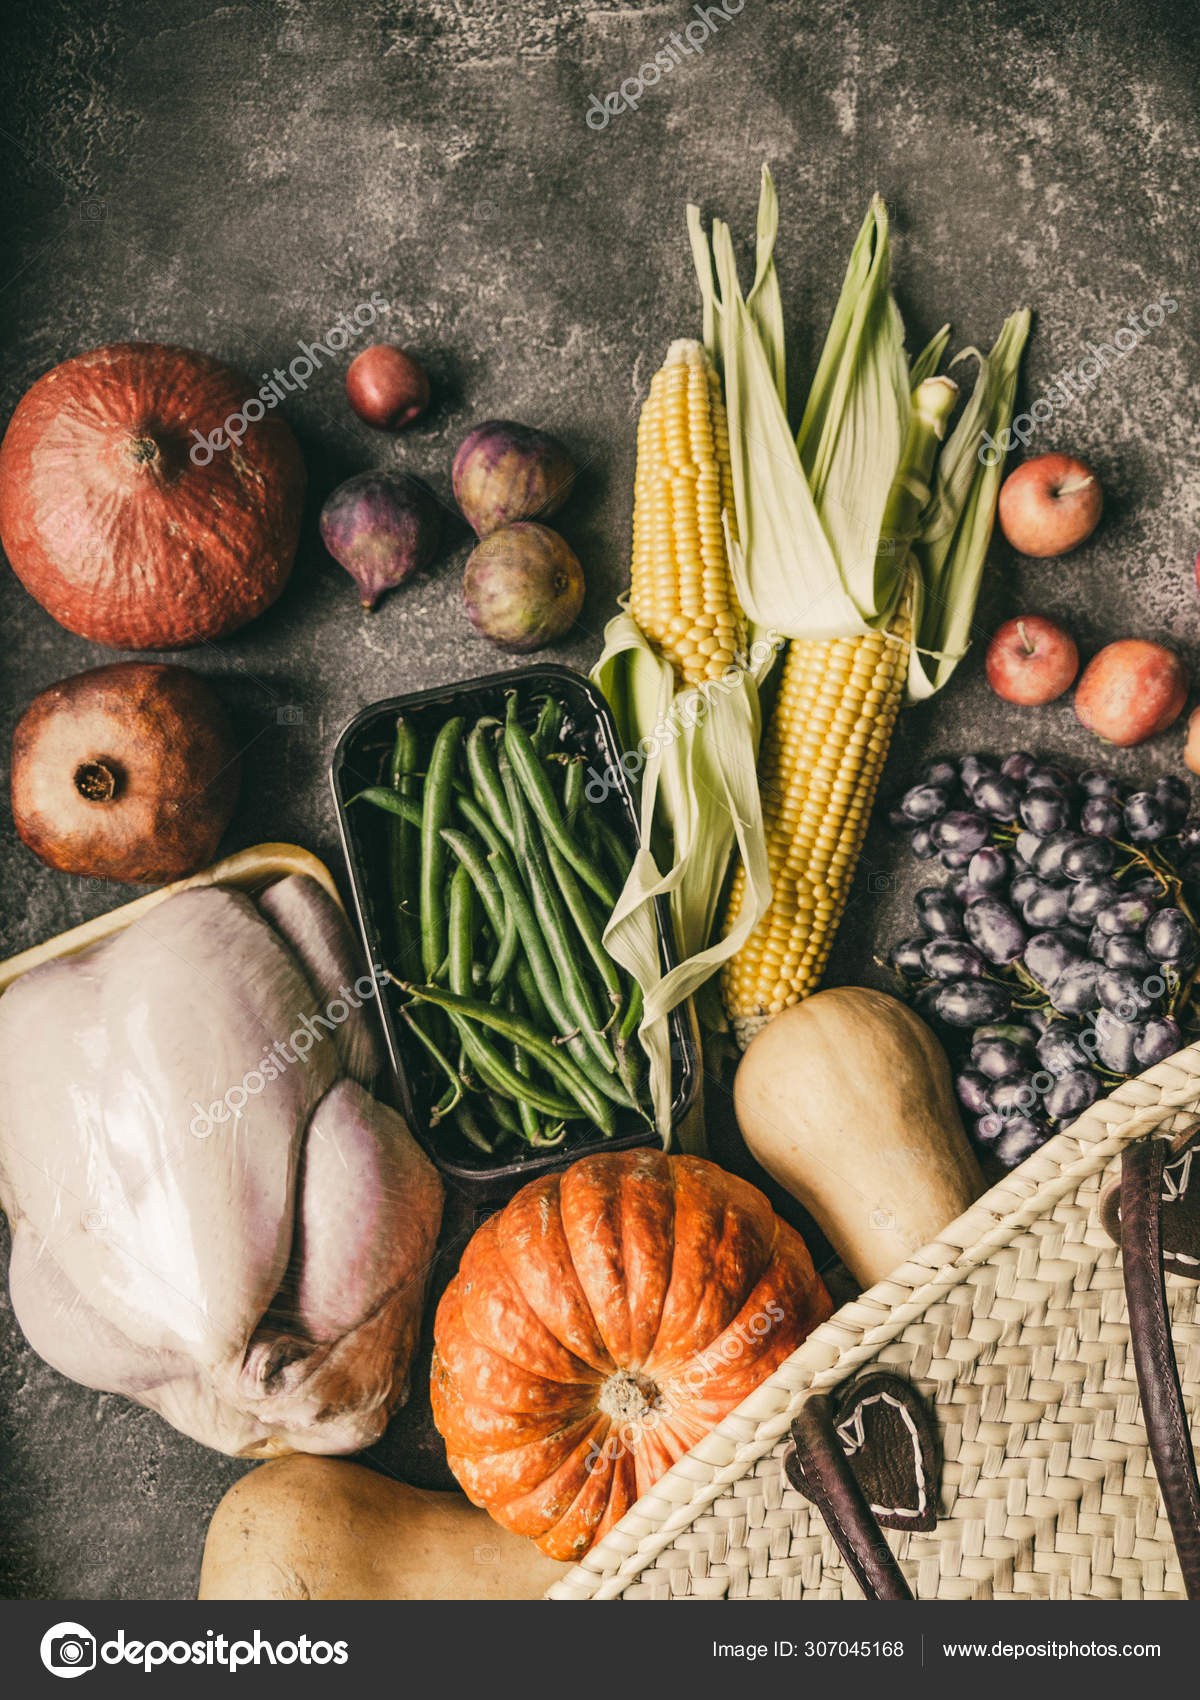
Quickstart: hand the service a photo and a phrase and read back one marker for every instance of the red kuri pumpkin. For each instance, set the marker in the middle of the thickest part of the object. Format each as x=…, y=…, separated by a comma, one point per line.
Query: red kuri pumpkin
x=600, y=1325
x=122, y=532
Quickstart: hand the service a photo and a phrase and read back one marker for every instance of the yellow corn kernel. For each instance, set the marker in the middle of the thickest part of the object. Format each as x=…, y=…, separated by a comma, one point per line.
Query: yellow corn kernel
x=822, y=756
x=680, y=592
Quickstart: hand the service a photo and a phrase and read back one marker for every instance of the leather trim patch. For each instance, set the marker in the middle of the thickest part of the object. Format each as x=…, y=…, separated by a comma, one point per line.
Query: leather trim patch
x=890, y=1441
x=1180, y=1213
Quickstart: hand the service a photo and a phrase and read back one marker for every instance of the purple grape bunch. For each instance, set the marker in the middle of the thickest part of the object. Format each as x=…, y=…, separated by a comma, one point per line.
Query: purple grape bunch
x=1057, y=959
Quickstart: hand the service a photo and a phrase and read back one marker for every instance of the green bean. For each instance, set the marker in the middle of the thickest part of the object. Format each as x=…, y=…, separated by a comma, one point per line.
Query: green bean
x=480, y=821
x=633, y=1013
x=532, y=941
x=462, y=931
x=470, y=1128
x=481, y=765
x=435, y=811
x=589, y=930
x=614, y=848
x=505, y=1115
x=431, y=1045
x=506, y=953
x=611, y=1086
x=552, y=917
x=404, y=845
x=568, y=991
x=516, y=1028
x=500, y=918
x=531, y=1127
x=497, y=1076
x=568, y=1009
x=405, y=754
x=470, y=855
x=628, y=1059
x=573, y=791
x=528, y=987
x=382, y=798
x=542, y=800
x=448, y=1101
x=521, y=820
x=545, y=733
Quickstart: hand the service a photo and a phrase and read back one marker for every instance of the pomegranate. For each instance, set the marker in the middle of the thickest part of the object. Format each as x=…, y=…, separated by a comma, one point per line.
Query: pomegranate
x=128, y=772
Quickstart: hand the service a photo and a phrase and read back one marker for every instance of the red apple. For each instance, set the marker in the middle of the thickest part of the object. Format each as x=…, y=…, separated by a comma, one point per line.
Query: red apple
x=386, y=387
x=1031, y=660
x=1049, y=505
x=1191, y=750
x=1131, y=691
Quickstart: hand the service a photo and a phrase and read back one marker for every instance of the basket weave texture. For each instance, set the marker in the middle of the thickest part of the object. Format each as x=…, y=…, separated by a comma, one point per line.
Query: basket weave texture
x=1013, y=1324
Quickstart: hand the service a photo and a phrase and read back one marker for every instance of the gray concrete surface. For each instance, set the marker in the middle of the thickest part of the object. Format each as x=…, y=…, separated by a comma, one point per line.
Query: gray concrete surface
x=236, y=176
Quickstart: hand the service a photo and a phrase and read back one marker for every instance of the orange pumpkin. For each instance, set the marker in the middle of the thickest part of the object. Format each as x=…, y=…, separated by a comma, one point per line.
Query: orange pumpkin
x=142, y=503
x=600, y=1325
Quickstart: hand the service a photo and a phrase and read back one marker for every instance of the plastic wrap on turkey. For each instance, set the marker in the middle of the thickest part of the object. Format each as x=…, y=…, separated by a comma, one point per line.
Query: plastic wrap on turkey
x=210, y=1211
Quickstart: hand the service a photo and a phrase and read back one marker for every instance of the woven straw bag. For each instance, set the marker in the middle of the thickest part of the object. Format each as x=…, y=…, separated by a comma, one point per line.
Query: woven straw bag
x=1014, y=1326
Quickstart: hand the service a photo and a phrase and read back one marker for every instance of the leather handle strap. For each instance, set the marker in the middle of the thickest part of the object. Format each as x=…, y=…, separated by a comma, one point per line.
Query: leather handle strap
x=819, y=1467
x=1153, y=1350
x=830, y=1483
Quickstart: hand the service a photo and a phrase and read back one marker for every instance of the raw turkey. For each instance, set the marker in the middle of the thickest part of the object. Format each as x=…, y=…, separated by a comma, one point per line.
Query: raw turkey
x=210, y=1211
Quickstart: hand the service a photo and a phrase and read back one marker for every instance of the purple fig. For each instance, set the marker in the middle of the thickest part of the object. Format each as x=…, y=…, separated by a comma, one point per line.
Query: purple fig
x=504, y=472
x=382, y=527
x=523, y=587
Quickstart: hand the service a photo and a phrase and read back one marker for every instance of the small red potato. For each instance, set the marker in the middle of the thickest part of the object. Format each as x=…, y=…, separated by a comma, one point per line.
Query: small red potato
x=386, y=387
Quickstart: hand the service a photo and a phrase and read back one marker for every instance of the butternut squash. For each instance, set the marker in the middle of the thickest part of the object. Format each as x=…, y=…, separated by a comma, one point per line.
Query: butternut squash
x=309, y=1528
x=846, y=1100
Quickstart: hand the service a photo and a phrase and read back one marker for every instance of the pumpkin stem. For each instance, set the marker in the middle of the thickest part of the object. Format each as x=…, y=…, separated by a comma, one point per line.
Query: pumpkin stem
x=143, y=451
x=627, y=1397
x=98, y=781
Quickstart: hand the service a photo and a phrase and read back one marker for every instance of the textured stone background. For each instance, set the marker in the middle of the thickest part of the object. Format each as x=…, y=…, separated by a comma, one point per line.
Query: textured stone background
x=235, y=176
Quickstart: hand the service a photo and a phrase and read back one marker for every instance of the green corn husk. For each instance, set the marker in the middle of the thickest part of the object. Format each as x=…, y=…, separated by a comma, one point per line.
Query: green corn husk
x=957, y=526
x=815, y=556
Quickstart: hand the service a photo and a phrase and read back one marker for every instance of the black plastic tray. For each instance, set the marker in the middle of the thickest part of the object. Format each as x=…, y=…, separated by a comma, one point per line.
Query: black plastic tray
x=360, y=759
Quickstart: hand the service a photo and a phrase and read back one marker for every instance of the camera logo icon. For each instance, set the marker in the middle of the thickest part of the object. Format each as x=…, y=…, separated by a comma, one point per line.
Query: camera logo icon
x=68, y=1649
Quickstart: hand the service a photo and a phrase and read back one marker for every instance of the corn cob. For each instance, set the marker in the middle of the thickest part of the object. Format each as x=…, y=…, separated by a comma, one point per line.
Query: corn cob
x=680, y=592
x=822, y=757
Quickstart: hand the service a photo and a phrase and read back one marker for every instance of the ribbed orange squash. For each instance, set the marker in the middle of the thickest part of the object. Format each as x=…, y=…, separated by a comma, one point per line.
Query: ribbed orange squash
x=600, y=1325
x=122, y=518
